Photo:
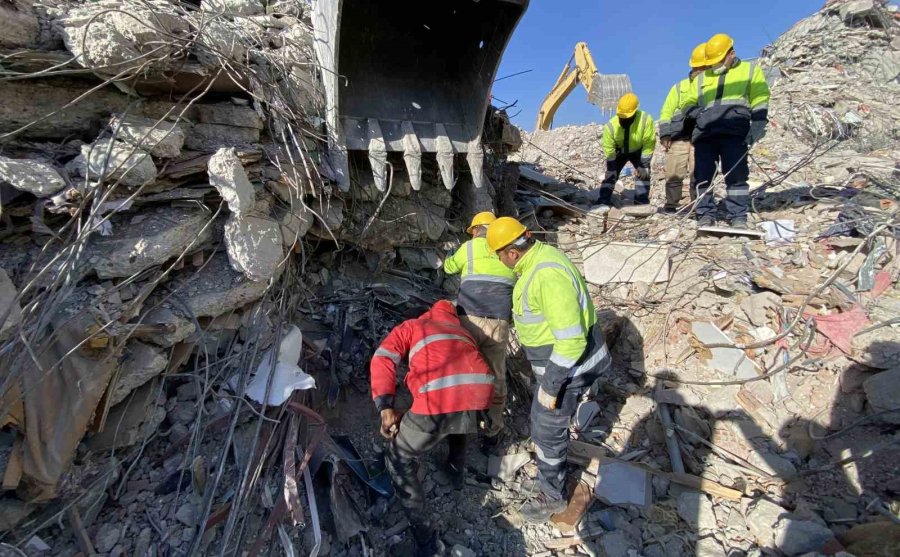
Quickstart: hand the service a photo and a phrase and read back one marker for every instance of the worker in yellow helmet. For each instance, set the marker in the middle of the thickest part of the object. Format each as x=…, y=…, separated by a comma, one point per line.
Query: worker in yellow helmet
x=484, y=306
x=675, y=130
x=732, y=99
x=629, y=136
x=556, y=324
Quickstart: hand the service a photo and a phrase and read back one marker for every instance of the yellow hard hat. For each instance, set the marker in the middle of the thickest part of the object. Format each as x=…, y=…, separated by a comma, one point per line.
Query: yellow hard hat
x=504, y=231
x=698, y=56
x=628, y=105
x=481, y=219
x=717, y=47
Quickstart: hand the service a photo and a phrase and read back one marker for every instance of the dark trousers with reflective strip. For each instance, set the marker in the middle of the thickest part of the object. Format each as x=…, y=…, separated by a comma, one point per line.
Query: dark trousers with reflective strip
x=731, y=152
x=419, y=434
x=550, y=433
x=613, y=169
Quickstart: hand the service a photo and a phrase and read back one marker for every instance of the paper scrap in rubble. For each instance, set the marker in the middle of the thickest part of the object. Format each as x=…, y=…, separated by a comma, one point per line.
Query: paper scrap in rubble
x=287, y=376
x=730, y=360
x=779, y=232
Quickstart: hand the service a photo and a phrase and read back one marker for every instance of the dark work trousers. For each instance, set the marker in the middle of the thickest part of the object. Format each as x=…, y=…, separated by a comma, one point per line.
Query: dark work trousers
x=613, y=169
x=550, y=433
x=731, y=152
x=419, y=434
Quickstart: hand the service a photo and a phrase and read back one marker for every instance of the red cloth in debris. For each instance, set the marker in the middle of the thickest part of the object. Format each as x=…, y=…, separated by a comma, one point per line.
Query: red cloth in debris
x=840, y=328
x=882, y=283
x=446, y=370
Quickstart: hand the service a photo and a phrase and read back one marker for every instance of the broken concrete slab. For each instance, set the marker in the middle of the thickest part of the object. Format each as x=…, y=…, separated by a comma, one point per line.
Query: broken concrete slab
x=626, y=262
x=696, y=509
x=158, y=137
x=35, y=177
x=728, y=360
x=165, y=315
x=757, y=307
x=505, y=467
x=227, y=175
x=619, y=483
x=209, y=137
x=10, y=311
x=219, y=38
x=254, y=245
x=775, y=527
x=216, y=288
x=116, y=161
x=148, y=239
x=142, y=363
x=883, y=393
x=295, y=223
x=130, y=421
x=233, y=7
x=421, y=258
x=20, y=24
x=230, y=114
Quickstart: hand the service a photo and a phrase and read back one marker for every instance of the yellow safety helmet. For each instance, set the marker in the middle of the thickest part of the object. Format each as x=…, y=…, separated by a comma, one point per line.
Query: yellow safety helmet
x=504, y=231
x=698, y=56
x=717, y=48
x=481, y=219
x=628, y=105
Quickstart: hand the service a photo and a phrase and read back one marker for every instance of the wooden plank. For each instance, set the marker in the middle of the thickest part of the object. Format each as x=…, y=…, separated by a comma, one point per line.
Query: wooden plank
x=591, y=456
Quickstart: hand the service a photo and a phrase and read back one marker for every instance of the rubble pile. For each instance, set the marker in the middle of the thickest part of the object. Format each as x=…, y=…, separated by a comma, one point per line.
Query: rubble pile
x=763, y=362
x=570, y=153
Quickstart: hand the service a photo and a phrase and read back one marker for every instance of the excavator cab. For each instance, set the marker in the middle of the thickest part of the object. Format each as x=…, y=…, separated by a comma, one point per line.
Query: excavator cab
x=413, y=77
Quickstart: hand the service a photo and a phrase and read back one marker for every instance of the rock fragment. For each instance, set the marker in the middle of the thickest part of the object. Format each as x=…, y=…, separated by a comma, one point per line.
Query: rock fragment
x=116, y=161
x=883, y=393
x=216, y=288
x=35, y=177
x=158, y=137
x=254, y=245
x=775, y=527
x=142, y=363
x=227, y=175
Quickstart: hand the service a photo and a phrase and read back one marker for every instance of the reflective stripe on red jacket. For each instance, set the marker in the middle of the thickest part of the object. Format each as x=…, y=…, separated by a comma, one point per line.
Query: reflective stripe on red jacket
x=446, y=371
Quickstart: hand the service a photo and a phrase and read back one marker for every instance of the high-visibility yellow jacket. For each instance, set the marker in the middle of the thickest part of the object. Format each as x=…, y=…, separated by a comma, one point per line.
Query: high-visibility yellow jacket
x=641, y=137
x=487, y=284
x=672, y=122
x=729, y=101
x=555, y=321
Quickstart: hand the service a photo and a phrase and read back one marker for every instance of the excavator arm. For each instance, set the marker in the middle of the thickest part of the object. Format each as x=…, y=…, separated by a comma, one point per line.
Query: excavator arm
x=603, y=90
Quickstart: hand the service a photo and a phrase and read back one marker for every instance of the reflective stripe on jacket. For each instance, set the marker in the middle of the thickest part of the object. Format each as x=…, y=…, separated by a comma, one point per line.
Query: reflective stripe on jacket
x=555, y=320
x=672, y=117
x=730, y=101
x=446, y=371
x=641, y=137
x=486, y=286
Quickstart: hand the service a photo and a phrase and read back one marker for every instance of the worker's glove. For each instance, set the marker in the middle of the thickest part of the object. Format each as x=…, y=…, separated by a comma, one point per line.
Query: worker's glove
x=643, y=171
x=546, y=400
x=390, y=423
x=757, y=131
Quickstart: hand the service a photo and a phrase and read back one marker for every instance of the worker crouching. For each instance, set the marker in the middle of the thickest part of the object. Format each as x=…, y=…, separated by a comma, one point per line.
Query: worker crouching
x=556, y=324
x=450, y=383
x=630, y=136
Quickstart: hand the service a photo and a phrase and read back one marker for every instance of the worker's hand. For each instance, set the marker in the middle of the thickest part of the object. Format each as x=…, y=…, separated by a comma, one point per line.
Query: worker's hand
x=666, y=142
x=757, y=131
x=643, y=173
x=390, y=423
x=546, y=400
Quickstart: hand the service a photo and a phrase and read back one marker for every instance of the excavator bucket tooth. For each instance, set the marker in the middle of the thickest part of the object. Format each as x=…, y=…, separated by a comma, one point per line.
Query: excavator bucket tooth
x=428, y=64
x=412, y=155
x=475, y=159
x=444, y=149
x=377, y=155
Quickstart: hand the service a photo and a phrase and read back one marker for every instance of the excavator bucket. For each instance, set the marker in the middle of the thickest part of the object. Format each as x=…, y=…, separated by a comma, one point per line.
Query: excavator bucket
x=605, y=90
x=410, y=76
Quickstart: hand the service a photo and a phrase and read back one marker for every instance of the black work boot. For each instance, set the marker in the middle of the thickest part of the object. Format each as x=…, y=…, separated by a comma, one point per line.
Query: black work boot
x=739, y=222
x=426, y=539
x=705, y=222
x=540, y=508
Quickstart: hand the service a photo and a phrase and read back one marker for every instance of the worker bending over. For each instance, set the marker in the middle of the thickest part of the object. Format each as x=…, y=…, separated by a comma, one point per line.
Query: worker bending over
x=450, y=382
x=732, y=100
x=675, y=130
x=485, y=309
x=556, y=324
x=629, y=136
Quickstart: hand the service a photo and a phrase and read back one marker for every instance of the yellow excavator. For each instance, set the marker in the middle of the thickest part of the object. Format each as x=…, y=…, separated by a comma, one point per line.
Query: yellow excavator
x=603, y=90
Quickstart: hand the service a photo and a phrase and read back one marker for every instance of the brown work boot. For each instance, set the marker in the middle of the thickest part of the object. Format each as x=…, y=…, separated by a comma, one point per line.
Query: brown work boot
x=540, y=508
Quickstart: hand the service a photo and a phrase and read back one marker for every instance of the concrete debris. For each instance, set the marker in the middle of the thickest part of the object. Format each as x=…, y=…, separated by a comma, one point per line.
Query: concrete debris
x=107, y=537
x=115, y=161
x=883, y=394
x=620, y=483
x=254, y=244
x=729, y=360
x=233, y=7
x=142, y=362
x=151, y=238
x=35, y=177
x=20, y=23
x=219, y=38
x=758, y=307
x=227, y=175
x=505, y=467
x=10, y=310
x=159, y=138
x=181, y=327
x=775, y=527
x=216, y=288
x=419, y=259
x=621, y=262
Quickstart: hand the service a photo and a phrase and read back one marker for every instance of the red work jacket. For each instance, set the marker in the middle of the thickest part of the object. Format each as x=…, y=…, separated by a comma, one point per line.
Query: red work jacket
x=446, y=371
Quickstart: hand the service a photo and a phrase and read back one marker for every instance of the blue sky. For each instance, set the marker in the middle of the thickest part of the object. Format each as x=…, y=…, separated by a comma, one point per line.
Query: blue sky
x=651, y=40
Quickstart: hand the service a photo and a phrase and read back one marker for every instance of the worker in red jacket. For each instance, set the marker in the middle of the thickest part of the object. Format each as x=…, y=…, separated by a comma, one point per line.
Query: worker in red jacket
x=450, y=383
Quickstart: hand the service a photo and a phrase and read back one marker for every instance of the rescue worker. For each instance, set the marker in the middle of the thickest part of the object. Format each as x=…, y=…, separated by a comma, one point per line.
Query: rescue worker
x=732, y=99
x=675, y=131
x=450, y=383
x=556, y=324
x=484, y=306
x=629, y=136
